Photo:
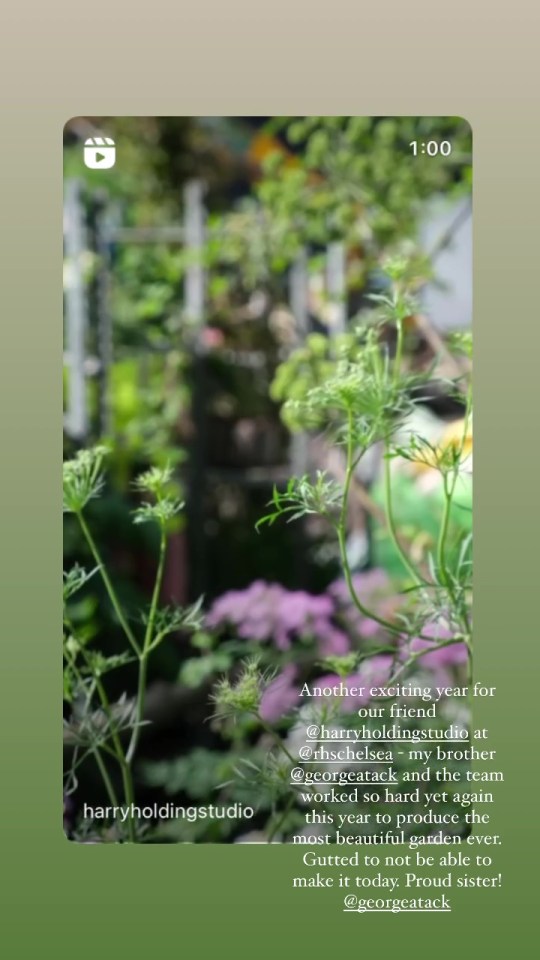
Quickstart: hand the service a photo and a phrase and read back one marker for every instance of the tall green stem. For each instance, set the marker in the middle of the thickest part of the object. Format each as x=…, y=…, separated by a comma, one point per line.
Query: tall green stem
x=421, y=653
x=413, y=572
x=443, y=534
x=105, y=777
x=95, y=751
x=125, y=769
x=108, y=585
x=118, y=753
x=399, y=351
x=341, y=534
x=144, y=654
x=279, y=743
x=277, y=739
x=125, y=760
x=449, y=489
x=281, y=818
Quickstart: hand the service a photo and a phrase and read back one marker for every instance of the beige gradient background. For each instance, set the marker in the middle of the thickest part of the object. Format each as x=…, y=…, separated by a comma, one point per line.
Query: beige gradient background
x=476, y=59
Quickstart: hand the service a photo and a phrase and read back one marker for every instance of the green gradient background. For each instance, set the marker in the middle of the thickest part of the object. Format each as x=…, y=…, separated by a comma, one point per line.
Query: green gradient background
x=66, y=900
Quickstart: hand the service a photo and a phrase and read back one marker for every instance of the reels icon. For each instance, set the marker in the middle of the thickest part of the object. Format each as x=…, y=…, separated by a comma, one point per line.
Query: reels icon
x=99, y=153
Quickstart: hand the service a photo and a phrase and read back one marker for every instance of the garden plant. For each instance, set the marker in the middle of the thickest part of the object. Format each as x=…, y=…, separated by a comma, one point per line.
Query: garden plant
x=363, y=398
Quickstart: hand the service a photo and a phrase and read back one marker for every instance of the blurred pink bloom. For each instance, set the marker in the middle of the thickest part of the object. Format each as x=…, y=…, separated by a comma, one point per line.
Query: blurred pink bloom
x=374, y=590
x=453, y=655
x=280, y=696
x=212, y=337
x=270, y=612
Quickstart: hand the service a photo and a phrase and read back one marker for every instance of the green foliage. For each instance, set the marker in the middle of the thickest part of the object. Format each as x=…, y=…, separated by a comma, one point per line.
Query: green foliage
x=96, y=726
x=302, y=497
x=343, y=666
x=349, y=179
x=75, y=579
x=353, y=179
x=149, y=376
x=197, y=775
x=161, y=512
x=169, y=620
x=83, y=479
x=359, y=401
x=157, y=481
x=446, y=459
x=461, y=342
x=197, y=670
x=233, y=698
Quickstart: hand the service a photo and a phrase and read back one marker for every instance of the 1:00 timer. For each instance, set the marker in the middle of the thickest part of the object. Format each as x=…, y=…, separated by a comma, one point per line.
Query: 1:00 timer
x=432, y=147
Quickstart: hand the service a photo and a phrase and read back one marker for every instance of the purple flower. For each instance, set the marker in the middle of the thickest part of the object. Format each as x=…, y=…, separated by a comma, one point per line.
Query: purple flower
x=374, y=590
x=267, y=612
x=280, y=696
x=333, y=642
x=365, y=584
